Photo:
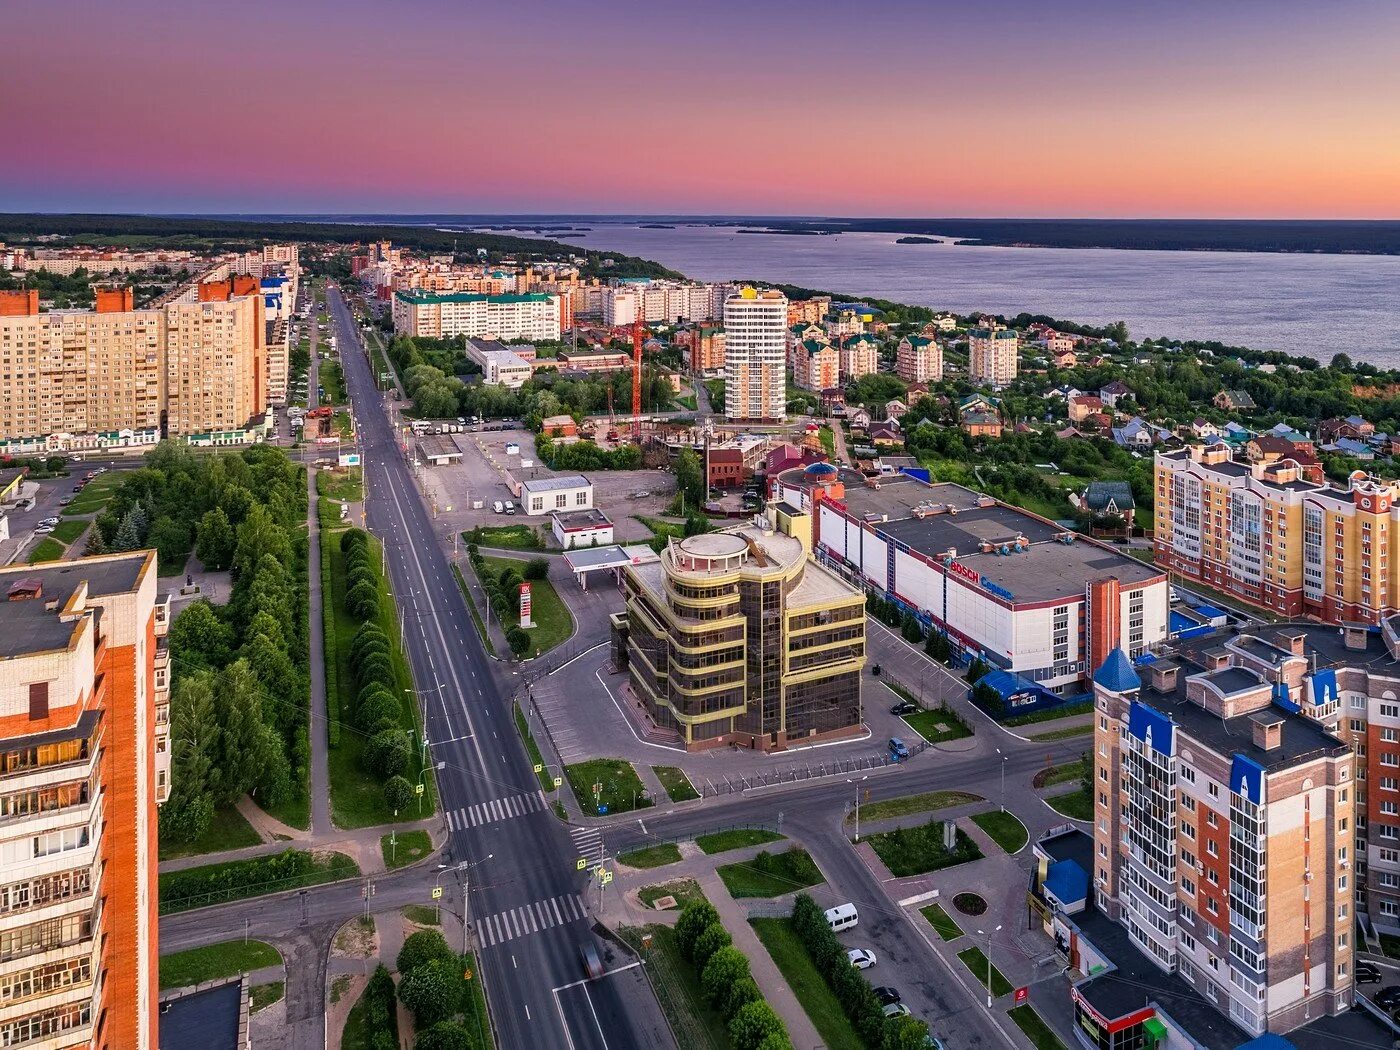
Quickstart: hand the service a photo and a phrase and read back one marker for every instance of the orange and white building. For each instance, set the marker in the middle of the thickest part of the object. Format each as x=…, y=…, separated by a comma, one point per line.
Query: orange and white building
x=860, y=356
x=1265, y=534
x=816, y=365
x=992, y=355
x=84, y=762
x=755, y=352
x=918, y=359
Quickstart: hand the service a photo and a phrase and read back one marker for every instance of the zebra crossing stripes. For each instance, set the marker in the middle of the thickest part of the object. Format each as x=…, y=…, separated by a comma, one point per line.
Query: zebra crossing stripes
x=496, y=809
x=529, y=918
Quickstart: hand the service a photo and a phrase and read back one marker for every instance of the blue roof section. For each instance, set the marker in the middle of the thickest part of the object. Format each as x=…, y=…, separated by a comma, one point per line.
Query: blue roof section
x=1151, y=727
x=1117, y=674
x=1268, y=1041
x=1247, y=779
x=1322, y=686
x=1067, y=882
x=1283, y=700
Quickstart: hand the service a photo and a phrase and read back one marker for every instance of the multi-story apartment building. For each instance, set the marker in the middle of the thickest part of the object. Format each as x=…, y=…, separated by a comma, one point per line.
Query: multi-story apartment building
x=531, y=316
x=1265, y=534
x=84, y=761
x=755, y=345
x=1227, y=831
x=919, y=359
x=992, y=355
x=662, y=302
x=705, y=343
x=860, y=356
x=737, y=636
x=816, y=365
x=808, y=311
x=195, y=361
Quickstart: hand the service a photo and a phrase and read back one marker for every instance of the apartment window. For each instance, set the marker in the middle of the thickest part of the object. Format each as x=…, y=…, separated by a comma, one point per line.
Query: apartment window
x=1342, y=882
x=1389, y=758
x=1188, y=886
x=38, y=701
x=1189, y=803
x=1214, y=909
x=1390, y=710
x=1387, y=831
x=1212, y=877
x=1188, y=774
x=1389, y=908
x=1213, y=790
x=1358, y=725
x=1343, y=911
x=1210, y=818
x=1188, y=830
x=1389, y=783
x=1211, y=849
x=1389, y=735
x=1389, y=808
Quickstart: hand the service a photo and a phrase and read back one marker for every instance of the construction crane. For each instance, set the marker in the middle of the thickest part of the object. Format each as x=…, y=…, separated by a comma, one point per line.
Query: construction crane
x=638, y=329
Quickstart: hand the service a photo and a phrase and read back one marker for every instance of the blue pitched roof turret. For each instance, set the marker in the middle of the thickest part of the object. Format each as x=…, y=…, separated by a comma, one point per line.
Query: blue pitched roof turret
x=1117, y=674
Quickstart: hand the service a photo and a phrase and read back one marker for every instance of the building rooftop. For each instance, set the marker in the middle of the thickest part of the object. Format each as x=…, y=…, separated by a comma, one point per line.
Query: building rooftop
x=30, y=626
x=554, y=484
x=208, y=1019
x=582, y=519
x=437, y=446
x=420, y=298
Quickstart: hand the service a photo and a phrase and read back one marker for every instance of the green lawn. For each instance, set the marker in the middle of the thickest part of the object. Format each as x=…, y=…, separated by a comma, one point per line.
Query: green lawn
x=240, y=879
x=976, y=963
x=914, y=851
x=770, y=874
x=476, y=615
x=924, y=803
x=676, y=783
x=357, y=796
x=553, y=624
x=1051, y=714
x=68, y=531
x=261, y=996
x=1036, y=1030
x=1061, y=774
x=545, y=774
x=212, y=961
x=817, y=999
x=47, y=549
x=506, y=537
x=331, y=376
x=227, y=830
x=333, y=488
x=359, y=1034
x=938, y=725
x=942, y=923
x=828, y=440
x=94, y=495
x=652, y=856
x=408, y=847
x=684, y=890
x=1005, y=830
x=422, y=914
x=622, y=789
x=1078, y=805
x=736, y=838
x=693, y=1022
x=1065, y=733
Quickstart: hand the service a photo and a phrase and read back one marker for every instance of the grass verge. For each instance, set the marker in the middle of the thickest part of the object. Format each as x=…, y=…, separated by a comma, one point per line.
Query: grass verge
x=770, y=874
x=1035, y=1029
x=405, y=847
x=505, y=537
x=476, y=615
x=68, y=531
x=1003, y=828
x=1062, y=774
x=212, y=961
x=551, y=618
x=818, y=1001
x=545, y=774
x=240, y=879
x=227, y=830
x=652, y=856
x=1051, y=714
x=47, y=549
x=736, y=838
x=943, y=924
x=261, y=996
x=684, y=890
x=924, y=803
x=917, y=850
x=620, y=789
x=1065, y=733
x=694, y=1022
x=421, y=914
x=676, y=783
x=976, y=964
x=1077, y=805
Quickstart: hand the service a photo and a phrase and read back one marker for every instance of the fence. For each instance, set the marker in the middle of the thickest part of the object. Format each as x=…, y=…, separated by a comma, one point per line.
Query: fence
x=795, y=774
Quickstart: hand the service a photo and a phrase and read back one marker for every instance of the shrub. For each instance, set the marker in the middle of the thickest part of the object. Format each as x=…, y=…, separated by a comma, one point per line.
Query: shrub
x=377, y=710
x=742, y=992
x=693, y=920
x=376, y=669
x=431, y=992
x=537, y=569
x=754, y=1024
x=422, y=947
x=363, y=601
x=519, y=641
x=353, y=539
x=398, y=793
x=711, y=939
x=388, y=753
x=725, y=967
x=445, y=1035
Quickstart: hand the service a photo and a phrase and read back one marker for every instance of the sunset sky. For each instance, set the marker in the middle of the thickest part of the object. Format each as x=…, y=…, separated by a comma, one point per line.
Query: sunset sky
x=886, y=107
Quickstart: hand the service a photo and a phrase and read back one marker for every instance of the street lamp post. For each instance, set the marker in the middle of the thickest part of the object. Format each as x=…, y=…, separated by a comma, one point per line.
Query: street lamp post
x=988, y=935
x=857, y=784
x=464, y=882
x=1004, y=759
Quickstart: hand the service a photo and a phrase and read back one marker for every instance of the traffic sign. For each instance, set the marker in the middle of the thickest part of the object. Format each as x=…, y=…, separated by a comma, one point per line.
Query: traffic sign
x=1022, y=994
x=606, y=877
x=418, y=789
x=582, y=863
x=437, y=893
x=539, y=768
x=558, y=781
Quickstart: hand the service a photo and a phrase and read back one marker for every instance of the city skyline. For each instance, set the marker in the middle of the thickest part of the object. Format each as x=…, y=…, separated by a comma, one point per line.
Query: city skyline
x=1083, y=110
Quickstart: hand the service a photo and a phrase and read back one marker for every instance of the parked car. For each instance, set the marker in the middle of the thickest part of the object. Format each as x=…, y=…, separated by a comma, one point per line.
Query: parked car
x=895, y=1010
x=861, y=958
x=898, y=751
x=1366, y=973
x=886, y=995
x=79, y=486
x=65, y=501
x=1388, y=998
x=48, y=521
x=904, y=707
x=875, y=670
x=1172, y=596
x=43, y=530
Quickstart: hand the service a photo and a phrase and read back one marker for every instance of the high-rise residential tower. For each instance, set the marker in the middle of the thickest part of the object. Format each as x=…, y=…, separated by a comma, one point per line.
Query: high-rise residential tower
x=755, y=351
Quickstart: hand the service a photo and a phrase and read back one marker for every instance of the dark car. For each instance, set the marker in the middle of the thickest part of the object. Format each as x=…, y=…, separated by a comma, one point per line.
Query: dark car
x=1388, y=998
x=875, y=670
x=904, y=707
x=898, y=751
x=1367, y=973
x=592, y=965
x=886, y=995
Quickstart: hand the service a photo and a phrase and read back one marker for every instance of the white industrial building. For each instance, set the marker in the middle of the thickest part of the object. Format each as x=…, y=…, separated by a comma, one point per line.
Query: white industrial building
x=582, y=528
x=1026, y=594
x=565, y=492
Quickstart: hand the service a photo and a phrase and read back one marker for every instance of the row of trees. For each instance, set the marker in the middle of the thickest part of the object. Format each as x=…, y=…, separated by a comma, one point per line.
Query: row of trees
x=502, y=589
x=585, y=455
x=377, y=710
x=725, y=980
x=240, y=674
x=850, y=987
x=432, y=987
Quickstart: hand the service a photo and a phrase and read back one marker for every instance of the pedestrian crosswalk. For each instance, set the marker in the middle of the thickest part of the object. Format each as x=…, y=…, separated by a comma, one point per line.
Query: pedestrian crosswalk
x=480, y=813
x=531, y=918
x=587, y=841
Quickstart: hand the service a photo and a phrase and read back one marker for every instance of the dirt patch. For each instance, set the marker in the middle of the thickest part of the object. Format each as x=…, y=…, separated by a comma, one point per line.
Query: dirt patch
x=357, y=939
x=969, y=904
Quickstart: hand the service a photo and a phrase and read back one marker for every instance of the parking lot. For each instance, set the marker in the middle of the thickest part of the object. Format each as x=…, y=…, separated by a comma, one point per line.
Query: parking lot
x=480, y=476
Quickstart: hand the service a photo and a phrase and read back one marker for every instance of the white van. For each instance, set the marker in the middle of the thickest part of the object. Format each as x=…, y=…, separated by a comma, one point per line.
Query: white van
x=842, y=917
x=497, y=507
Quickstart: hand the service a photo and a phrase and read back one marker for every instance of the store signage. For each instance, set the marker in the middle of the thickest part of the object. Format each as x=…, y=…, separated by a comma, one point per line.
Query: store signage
x=957, y=568
x=525, y=606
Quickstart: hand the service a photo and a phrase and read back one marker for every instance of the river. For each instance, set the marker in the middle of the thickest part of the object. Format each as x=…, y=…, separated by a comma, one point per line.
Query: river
x=1316, y=305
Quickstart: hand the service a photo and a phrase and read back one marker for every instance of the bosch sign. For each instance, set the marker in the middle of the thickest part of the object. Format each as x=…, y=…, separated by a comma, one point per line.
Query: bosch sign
x=957, y=568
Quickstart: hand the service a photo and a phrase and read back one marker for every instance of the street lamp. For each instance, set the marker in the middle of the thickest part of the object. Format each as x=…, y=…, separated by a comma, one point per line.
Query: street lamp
x=1004, y=760
x=857, y=783
x=464, y=882
x=988, y=935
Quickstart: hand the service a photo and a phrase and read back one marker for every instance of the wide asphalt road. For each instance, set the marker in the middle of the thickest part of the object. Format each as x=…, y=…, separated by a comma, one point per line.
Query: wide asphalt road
x=525, y=894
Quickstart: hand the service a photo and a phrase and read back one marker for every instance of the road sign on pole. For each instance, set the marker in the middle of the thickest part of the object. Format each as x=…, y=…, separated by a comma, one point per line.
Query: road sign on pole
x=437, y=893
x=1022, y=994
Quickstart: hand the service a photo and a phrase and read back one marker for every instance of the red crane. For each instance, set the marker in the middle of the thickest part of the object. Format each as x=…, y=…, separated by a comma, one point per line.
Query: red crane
x=637, y=331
